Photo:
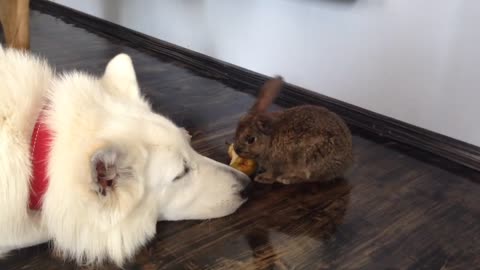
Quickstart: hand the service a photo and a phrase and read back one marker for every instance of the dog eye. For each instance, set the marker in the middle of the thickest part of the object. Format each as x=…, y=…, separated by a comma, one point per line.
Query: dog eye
x=251, y=139
x=185, y=171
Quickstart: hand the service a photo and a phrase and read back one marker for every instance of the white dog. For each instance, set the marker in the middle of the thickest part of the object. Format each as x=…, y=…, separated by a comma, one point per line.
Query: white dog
x=86, y=163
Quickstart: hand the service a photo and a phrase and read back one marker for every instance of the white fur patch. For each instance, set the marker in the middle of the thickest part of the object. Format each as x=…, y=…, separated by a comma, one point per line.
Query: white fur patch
x=99, y=119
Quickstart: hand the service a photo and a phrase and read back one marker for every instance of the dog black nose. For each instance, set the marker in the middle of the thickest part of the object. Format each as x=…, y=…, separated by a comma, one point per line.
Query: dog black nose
x=246, y=192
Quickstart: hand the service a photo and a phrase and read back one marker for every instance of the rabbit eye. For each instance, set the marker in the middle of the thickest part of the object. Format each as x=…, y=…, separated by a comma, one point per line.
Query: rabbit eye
x=251, y=139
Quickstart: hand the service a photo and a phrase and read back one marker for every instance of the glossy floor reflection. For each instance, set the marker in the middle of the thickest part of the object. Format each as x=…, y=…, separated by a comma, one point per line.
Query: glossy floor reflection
x=398, y=208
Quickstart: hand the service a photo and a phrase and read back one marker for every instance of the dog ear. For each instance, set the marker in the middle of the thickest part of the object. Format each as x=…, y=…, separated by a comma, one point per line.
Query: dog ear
x=116, y=182
x=107, y=169
x=120, y=77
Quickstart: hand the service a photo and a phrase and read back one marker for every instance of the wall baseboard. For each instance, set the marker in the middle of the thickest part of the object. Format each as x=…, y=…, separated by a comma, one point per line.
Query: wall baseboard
x=248, y=81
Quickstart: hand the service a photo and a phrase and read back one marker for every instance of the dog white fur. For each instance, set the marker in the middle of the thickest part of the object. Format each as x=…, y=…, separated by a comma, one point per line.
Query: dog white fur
x=158, y=175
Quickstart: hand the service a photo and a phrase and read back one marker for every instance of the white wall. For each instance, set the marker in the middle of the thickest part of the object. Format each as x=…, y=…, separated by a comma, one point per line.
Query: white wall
x=416, y=61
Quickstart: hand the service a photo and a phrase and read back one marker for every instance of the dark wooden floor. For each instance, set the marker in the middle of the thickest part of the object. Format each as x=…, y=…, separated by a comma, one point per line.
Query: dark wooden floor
x=399, y=208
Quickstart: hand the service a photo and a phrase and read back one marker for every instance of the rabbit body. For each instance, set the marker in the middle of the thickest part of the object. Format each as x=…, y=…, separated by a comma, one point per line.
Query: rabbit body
x=301, y=144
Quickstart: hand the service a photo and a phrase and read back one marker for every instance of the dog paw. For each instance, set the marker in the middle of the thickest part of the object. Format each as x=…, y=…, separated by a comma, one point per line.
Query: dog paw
x=58, y=254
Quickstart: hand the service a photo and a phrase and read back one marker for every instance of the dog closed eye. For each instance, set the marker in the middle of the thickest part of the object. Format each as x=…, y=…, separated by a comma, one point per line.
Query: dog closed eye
x=185, y=171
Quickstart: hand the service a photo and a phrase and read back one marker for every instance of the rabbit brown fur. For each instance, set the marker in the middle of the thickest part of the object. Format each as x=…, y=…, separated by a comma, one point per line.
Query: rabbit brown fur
x=300, y=144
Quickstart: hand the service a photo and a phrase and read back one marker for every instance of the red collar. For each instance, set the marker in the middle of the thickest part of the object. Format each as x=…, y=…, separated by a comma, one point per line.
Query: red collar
x=40, y=148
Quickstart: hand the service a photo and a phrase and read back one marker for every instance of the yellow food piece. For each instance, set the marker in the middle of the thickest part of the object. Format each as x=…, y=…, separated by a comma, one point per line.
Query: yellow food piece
x=247, y=166
x=231, y=152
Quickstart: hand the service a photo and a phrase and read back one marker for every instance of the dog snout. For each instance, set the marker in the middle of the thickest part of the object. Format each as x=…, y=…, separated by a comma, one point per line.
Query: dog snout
x=244, y=185
x=243, y=179
x=246, y=191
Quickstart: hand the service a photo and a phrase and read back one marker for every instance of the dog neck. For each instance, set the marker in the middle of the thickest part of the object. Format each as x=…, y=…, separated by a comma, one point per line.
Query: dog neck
x=40, y=148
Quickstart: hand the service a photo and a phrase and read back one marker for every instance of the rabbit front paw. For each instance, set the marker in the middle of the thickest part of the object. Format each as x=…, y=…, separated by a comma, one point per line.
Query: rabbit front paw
x=265, y=178
x=290, y=179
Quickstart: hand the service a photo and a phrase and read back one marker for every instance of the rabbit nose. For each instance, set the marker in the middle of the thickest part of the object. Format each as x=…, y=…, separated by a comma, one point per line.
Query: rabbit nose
x=238, y=149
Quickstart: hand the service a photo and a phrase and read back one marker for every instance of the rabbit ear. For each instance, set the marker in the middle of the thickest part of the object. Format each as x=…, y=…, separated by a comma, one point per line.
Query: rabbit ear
x=268, y=93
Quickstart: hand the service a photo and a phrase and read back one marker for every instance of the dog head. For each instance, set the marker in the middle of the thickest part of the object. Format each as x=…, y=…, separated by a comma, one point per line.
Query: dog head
x=116, y=167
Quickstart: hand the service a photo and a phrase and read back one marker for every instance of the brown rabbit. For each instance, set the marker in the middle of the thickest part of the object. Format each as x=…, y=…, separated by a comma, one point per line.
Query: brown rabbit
x=300, y=144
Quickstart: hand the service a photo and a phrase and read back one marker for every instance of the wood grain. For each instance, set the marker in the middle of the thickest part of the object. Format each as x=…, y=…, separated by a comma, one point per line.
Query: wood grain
x=398, y=207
